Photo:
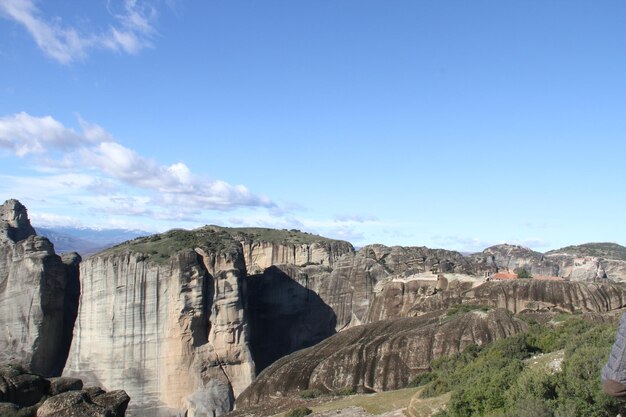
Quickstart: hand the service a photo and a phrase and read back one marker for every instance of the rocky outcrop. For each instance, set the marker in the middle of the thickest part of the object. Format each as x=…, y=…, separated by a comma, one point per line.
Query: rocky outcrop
x=578, y=264
x=379, y=356
x=528, y=294
x=515, y=258
x=26, y=394
x=263, y=248
x=406, y=261
x=412, y=298
x=588, y=262
x=38, y=295
x=171, y=329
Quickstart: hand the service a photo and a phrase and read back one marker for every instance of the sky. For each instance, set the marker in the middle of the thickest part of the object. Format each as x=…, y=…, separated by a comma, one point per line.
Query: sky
x=444, y=123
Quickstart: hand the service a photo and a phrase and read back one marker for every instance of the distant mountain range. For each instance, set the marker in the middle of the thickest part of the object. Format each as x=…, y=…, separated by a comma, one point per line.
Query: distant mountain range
x=86, y=241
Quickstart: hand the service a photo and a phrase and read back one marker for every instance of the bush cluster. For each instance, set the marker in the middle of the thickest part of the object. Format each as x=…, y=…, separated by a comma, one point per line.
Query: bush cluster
x=494, y=381
x=299, y=412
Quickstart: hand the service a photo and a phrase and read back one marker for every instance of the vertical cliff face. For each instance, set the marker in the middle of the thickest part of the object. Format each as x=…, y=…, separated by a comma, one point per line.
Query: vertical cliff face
x=264, y=248
x=38, y=295
x=166, y=324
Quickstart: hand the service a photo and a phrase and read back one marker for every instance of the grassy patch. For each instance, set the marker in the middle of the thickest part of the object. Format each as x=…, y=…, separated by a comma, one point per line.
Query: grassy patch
x=378, y=403
x=427, y=407
x=159, y=248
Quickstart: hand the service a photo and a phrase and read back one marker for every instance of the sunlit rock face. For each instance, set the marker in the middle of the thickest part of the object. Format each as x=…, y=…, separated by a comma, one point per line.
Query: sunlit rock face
x=166, y=317
x=38, y=295
x=260, y=255
x=172, y=333
x=379, y=356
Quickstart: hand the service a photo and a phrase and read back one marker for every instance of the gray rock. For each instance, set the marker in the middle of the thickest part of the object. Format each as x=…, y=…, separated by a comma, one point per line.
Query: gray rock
x=14, y=223
x=64, y=384
x=113, y=401
x=71, y=404
x=6, y=408
x=38, y=296
x=21, y=387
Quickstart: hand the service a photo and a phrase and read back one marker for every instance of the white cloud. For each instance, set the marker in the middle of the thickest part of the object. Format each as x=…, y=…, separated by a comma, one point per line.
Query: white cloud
x=25, y=134
x=468, y=244
x=132, y=31
x=355, y=218
x=121, y=181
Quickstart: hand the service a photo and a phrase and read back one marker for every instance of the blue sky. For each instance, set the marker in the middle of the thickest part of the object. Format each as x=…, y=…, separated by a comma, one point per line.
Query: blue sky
x=440, y=123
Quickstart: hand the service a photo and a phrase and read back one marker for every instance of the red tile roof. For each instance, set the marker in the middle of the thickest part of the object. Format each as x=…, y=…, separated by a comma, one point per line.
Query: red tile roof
x=504, y=275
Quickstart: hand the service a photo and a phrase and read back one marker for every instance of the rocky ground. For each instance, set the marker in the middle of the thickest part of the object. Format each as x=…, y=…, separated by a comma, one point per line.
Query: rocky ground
x=24, y=394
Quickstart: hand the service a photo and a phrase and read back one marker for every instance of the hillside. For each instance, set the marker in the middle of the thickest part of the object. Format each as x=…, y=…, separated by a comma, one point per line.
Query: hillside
x=605, y=250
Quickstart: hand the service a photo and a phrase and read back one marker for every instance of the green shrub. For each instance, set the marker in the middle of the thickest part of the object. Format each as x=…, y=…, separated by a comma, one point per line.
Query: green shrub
x=310, y=393
x=345, y=391
x=423, y=379
x=299, y=412
x=435, y=388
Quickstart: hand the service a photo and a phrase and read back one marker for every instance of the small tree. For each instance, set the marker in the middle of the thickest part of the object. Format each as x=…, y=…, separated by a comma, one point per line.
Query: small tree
x=523, y=273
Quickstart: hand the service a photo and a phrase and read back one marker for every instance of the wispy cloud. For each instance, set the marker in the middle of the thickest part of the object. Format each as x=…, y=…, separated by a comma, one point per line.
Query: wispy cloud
x=131, y=30
x=472, y=244
x=355, y=218
x=90, y=162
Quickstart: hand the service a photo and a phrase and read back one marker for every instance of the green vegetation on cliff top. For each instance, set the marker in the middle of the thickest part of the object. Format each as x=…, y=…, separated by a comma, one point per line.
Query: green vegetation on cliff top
x=158, y=248
x=281, y=236
x=601, y=250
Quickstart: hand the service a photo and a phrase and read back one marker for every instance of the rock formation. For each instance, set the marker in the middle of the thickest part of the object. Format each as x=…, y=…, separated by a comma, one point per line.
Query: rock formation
x=263, y=247
x=591, y=262
x=379, y=356
x=528, y=294
x=396, y=299
x=169, y=330
x=38, y=295
x=26, y=394
x=515, y=258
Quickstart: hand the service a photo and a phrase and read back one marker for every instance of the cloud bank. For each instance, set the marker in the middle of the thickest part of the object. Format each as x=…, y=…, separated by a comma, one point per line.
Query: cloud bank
x=110, y=177
x=131, y=31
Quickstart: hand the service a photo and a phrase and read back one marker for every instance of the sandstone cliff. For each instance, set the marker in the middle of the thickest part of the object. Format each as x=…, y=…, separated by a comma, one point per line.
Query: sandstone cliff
x=396, y=299
x=379, y=356
x=588, y=262
x=166, y=323
x=515, y=258
x=263, y=247
x=591, y=261
x=38, y=295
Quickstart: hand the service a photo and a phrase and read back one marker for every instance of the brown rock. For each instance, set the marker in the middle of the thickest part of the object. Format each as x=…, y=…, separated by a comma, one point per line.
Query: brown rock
x=379, y=356
x=529, y=294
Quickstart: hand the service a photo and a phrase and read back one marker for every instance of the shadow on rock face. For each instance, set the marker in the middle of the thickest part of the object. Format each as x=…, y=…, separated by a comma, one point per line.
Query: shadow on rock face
x=284, y=316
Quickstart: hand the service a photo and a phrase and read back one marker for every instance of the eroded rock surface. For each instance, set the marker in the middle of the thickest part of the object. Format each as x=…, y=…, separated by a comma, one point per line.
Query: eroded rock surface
x=264, y=247
x=528, y=294
x=379, y=356
x=28, y=394
x=170, y=332
x=38, y=295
